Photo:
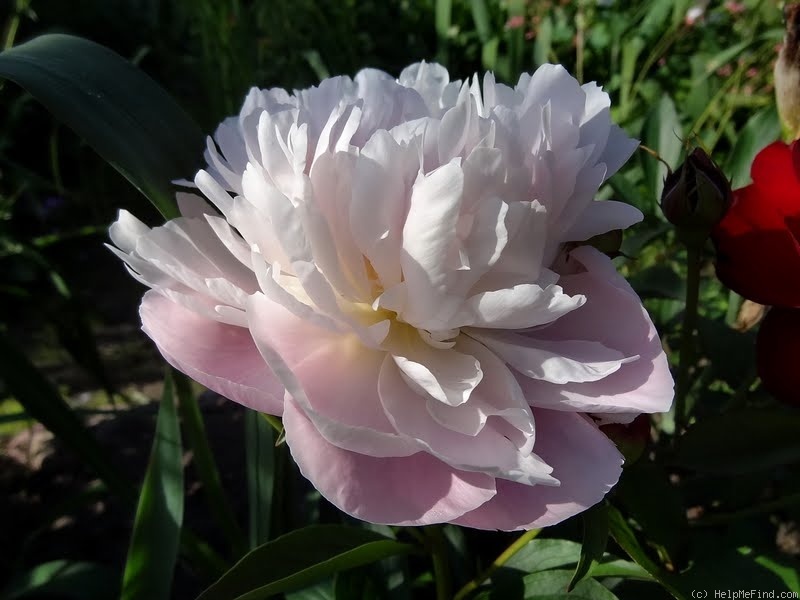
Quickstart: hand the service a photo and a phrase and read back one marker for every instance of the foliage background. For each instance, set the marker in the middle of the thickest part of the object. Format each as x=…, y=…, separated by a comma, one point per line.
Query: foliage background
x=716, y=509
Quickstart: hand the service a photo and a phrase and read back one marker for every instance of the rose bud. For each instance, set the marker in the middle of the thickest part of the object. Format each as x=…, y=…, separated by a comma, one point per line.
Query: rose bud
x=630, y=438
x=787, y=73
x=777, y=348
x=696, y=196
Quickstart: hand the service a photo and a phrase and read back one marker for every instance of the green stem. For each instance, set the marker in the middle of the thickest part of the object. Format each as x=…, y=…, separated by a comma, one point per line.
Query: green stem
x=683, y=381
x=515, y=547
x=441, y=568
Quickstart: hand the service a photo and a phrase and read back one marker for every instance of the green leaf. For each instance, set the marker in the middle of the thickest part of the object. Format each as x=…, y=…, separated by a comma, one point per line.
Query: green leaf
x=480, y=15
x=732, y=353
x=205, y=466
x=552, y=585
x=660, y=512
x=260, y=455
x=64, y=579
x=661, y=132
x=761, y=129
x=540, y=555
x=616, y=567
x=595, y=537
x=543, y=44
x=300, y=558
x=659, y=281
x=626, y=538
x=741, y=441
x=42, y=402
x=122, y=113
x=156, y=533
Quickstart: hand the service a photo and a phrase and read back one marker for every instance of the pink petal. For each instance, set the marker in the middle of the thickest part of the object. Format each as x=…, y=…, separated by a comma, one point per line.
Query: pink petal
x=613, y=315
x=584, y=460
x=331, y=376
x=488, y=452
x=221, y=357
x=411, y=490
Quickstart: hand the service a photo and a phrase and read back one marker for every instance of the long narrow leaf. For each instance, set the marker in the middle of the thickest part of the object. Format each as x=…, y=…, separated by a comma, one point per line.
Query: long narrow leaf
x=595, y=537
x=123, y=114
x=205, y=466
x=261, y=456
x=159, y=517
x=300, y=558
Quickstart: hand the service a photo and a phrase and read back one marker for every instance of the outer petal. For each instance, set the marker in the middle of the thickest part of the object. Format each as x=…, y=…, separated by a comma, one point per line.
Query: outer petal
x=584, y=460
x=411, y=490
x=643, y=385
x=221, y=357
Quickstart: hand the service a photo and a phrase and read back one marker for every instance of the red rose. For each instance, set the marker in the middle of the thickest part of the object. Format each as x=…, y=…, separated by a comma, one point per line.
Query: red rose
x=758, y=240
x=778, y=349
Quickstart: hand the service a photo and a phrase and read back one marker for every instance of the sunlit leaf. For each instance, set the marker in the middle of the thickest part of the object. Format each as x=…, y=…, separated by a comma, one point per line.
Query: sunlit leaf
x=662, y=132
x=156, y=533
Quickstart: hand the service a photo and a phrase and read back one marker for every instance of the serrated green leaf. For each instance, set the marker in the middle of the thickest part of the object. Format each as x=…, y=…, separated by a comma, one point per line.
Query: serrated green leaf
x=741, y=441
x=300, y=558
x=156, y=533
x=122, y=113
x=595, y=537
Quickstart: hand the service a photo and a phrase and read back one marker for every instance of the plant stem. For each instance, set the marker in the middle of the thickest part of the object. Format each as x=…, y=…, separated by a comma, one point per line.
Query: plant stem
x=441, y=569
x=515, y=547
x=687, y=335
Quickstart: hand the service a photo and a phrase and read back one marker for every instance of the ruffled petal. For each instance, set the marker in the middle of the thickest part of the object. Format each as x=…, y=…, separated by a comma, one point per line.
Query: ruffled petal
x=642, y=385
x=409, y=490
x=585, y=461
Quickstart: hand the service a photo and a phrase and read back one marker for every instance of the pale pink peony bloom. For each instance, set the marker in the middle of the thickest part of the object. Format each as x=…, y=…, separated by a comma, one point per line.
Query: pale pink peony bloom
x=385, y=266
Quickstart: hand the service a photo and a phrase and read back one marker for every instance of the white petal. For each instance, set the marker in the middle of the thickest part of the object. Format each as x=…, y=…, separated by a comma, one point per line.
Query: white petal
x=561, y=361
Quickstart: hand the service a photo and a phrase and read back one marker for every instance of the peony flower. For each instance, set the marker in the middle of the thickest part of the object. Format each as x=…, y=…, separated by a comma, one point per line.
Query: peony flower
x=758, y=240
x=384, y=264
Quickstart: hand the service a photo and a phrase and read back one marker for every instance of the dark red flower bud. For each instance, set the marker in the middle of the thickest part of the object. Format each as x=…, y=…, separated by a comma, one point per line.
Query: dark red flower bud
x=696, y=197
x=777, y=349
x=631, y=439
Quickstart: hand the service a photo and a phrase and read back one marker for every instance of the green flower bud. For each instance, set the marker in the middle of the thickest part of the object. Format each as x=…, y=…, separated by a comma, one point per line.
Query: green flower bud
x=696, y=197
